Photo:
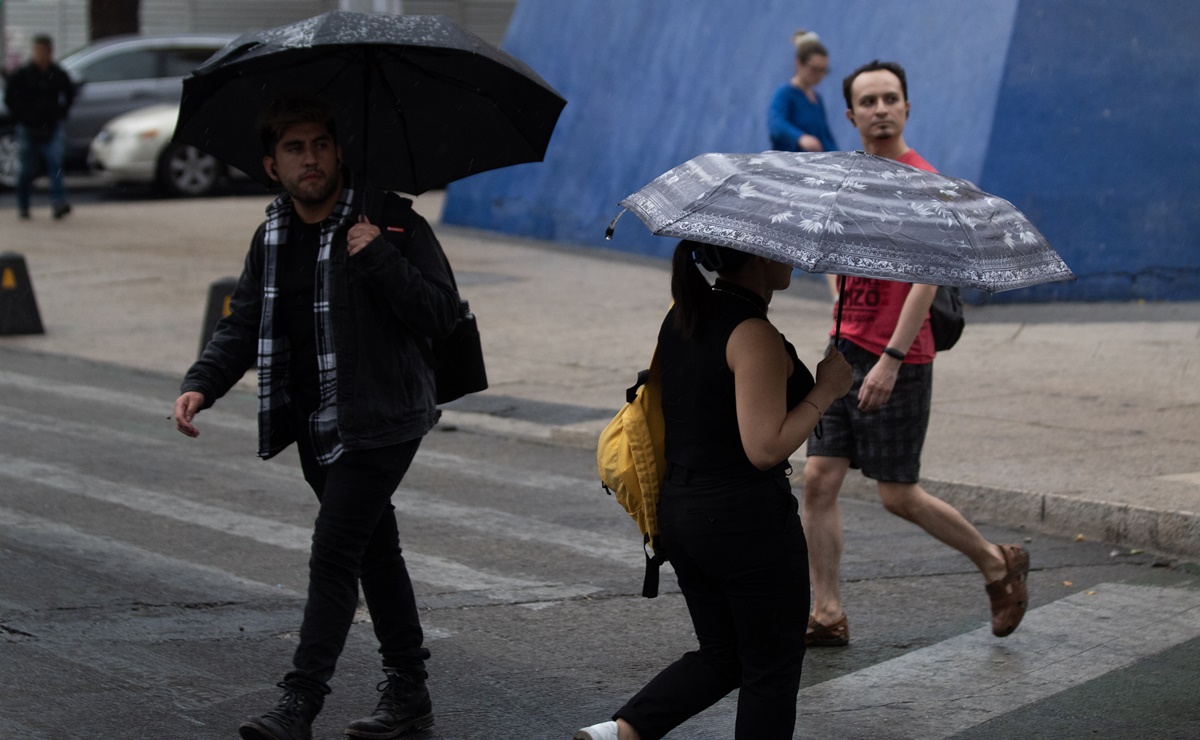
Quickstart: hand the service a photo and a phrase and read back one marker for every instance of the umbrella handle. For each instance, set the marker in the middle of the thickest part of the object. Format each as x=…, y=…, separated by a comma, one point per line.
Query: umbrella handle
x=837, y=330
x=612, y=225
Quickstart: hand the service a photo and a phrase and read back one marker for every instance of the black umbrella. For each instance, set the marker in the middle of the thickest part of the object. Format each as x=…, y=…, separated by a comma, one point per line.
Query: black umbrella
x=420, y=102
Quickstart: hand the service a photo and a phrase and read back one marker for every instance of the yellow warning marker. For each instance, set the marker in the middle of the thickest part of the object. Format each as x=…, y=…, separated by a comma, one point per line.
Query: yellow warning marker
x=220, y=293
x=18, y=308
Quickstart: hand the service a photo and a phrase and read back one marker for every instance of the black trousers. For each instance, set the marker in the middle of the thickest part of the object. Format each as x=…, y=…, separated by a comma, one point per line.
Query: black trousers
x=742, y=562
x=355, y=540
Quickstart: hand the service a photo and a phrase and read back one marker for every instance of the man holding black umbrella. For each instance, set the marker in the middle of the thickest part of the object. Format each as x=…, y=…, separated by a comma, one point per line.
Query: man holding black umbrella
x=334, y=309
x=880, y=426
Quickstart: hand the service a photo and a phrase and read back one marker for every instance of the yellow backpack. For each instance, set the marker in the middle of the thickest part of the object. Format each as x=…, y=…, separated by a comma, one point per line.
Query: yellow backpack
x=632, y=463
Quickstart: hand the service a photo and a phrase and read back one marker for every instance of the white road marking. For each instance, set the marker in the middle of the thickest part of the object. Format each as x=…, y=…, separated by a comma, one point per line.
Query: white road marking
x=435, y=571
x=114, y=555
x=158, y=407
x=134, y=403
x=1193, y=478
x=950, y=687
x=242, y=466
x=412, y=503
x=501, y=524
x=500, y=473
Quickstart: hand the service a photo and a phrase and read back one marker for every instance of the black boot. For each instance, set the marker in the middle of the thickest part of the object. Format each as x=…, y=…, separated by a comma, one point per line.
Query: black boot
x=403, y=706
x=291, y=719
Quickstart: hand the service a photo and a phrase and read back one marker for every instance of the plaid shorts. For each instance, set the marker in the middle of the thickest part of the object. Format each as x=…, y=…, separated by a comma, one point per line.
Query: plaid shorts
x=886, y=444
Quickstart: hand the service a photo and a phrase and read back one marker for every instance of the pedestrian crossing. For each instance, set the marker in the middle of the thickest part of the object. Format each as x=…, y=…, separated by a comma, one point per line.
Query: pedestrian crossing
x=931, y=692
x=438, y=572
x=944, y=689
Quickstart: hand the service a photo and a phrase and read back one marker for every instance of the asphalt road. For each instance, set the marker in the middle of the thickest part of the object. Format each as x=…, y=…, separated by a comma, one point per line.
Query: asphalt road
x=152, y=586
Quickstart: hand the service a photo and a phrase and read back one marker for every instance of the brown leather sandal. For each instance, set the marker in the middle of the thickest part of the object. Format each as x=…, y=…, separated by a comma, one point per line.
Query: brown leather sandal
x=1009, y=596
x=832, y=635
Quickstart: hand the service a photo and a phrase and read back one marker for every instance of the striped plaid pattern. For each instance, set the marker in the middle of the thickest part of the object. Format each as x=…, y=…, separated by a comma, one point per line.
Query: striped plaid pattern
x=274, y=352
x=886, y=444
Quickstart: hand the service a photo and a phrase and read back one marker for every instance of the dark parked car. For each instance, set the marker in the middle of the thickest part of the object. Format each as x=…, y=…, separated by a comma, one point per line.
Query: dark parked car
x=116, y=75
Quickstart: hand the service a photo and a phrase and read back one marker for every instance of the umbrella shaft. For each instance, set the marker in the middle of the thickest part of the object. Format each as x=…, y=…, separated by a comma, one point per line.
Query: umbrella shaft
x=837, y=330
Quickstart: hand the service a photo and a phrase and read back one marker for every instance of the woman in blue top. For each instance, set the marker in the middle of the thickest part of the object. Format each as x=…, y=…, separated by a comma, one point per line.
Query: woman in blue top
x=796, y=120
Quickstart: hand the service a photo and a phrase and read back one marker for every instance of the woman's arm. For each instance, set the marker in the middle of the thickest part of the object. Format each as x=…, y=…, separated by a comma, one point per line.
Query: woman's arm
x=770, y=432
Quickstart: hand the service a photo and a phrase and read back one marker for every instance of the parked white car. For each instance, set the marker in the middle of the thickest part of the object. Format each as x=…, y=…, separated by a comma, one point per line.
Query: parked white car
x=115, y=75
x=136, y=147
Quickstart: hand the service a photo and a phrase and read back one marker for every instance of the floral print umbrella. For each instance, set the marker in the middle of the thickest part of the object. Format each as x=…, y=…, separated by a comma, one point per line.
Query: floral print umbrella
x=850, y=213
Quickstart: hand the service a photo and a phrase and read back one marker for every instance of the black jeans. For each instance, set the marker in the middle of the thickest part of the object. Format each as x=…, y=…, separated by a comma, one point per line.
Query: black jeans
x=355, y=540
x=742, y=562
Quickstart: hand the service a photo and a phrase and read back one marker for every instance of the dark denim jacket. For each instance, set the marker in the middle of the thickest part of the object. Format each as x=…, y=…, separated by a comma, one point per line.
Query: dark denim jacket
x=387, y=298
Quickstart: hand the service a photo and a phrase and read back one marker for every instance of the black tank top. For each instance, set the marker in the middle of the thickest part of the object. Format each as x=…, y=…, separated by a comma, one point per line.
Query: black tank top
x=699, y=405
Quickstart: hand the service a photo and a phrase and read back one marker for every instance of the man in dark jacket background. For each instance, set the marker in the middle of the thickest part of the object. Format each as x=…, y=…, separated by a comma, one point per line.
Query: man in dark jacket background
x=333, y=308
x=39, y=96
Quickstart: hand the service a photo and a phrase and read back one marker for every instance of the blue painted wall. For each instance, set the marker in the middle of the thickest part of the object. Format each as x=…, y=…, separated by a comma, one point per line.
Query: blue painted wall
x=1006, y=93
x=1095, y=139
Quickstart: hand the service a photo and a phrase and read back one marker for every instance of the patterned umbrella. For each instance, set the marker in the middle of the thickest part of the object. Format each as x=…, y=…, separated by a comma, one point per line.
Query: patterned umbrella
x=850, y=213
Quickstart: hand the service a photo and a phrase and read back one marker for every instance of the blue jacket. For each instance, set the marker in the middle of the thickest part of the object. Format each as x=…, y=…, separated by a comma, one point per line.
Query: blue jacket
x=791, y=114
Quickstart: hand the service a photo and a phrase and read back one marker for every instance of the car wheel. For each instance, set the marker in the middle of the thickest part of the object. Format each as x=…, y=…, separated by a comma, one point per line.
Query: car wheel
x=185, y=170
x=10, y=158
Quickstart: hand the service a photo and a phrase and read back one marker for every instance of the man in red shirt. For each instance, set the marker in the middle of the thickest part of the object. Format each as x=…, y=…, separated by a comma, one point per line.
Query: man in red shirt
x=880, y=425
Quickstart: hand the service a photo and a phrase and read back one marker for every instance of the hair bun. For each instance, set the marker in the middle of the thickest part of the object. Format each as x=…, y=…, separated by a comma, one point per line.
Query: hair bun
x=803, y=38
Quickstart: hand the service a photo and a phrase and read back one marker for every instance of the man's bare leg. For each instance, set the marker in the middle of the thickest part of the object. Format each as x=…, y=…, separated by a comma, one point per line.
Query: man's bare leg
x=943, y=521
x=823, y=477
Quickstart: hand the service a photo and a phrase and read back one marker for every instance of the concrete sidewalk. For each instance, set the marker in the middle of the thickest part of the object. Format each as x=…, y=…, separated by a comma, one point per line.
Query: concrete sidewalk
x=1073, y=419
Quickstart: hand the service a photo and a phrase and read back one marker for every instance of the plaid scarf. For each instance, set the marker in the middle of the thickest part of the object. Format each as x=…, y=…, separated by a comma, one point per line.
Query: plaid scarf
x=274, y=351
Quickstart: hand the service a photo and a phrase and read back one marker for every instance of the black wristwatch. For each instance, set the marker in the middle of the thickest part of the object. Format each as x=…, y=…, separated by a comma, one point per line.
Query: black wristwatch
x=893, y=352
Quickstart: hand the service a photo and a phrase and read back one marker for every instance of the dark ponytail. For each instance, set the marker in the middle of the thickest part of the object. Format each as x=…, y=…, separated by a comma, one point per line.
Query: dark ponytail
x=689, y=288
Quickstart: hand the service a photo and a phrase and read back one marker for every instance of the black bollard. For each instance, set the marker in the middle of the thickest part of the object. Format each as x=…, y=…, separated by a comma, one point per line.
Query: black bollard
x=18, y=308
x=219, y=293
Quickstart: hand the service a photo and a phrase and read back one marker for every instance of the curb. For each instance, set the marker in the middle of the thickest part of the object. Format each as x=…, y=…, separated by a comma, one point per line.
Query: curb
x=1168, y=533
x=1171, y=533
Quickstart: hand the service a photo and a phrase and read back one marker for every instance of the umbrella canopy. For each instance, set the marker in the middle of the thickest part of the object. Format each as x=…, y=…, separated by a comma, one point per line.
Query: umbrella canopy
x=850, y=213
x=420, y=102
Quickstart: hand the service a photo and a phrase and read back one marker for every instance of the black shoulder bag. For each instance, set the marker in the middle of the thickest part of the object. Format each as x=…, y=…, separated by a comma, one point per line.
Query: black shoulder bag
x=457, y=360
x=946, y=318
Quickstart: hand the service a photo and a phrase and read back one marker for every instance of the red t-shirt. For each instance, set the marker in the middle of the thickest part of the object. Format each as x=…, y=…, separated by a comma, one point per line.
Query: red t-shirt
x=871, y=307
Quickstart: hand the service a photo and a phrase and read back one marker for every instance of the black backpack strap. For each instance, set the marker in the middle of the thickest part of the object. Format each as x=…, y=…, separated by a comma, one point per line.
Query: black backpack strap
x=653, y=563
x=384, y=209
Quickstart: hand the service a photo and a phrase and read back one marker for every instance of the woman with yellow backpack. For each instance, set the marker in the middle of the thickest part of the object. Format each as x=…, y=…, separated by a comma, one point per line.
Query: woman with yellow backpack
x=737, y=403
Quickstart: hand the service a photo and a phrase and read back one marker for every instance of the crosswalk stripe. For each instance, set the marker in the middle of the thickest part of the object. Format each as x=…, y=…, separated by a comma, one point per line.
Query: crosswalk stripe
x=501, y=524
x=27, y=421
x=433, y=570
x=247, y=465
x=132, y=403
x=944, y=689
x=493, y=472
x=500, y=473
x=418, y=504
x=123, y=557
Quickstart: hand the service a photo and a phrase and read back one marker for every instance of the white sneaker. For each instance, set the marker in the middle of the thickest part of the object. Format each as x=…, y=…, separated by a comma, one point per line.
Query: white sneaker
x=602, y=731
